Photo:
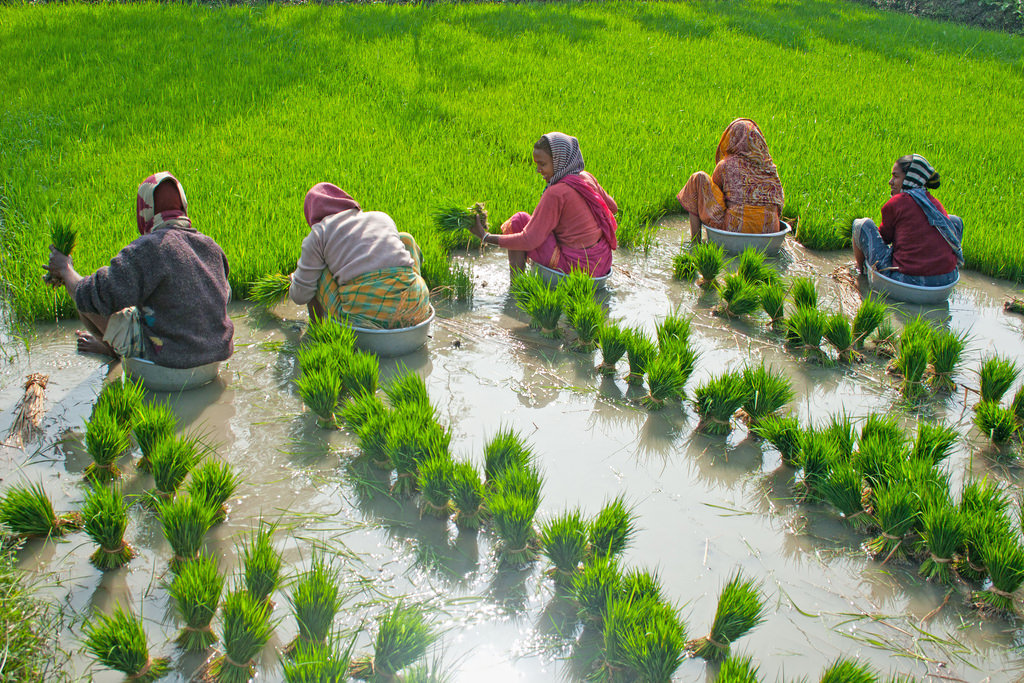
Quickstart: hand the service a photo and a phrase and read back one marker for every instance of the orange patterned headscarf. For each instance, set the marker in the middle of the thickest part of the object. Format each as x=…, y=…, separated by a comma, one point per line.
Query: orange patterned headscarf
x=752, y=178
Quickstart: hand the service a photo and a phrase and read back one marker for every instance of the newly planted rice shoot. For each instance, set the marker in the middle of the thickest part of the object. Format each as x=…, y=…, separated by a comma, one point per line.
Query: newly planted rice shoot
x=995, y=422
x=804, y=330
x=640, y=351
x=942, y=535
x=270, y=290
x=870, y=315
x=153, y=423
x=767, y=390
x=316, y=599
x=839, y=334
x=118, y=641
x=246, y=628
x=360, y=374
x=171, y=461
x=934, y=441
x=185, y=521
x=1004, y=560
x=895, y=512
x=513, y=521
x=586, y=319
x=666, y=381
x=740, y=609
x=911, y=363
x=105, y=519
x=26, y=510
x=752, y=267
x=403, y=636
x=595, y=587
x=407, y=388
x=997, y=376
x=612, y=530
x=467, y=496
x=261, y=563
x=709, y=259
x=772, y=296
x=106, y=439
x=195, y=592
x=684, y=268
x=717, y=400
x=215, y=482
x=436, y=477
x=673, y=329
x=945, y=352
x=320, y=390
x=122, y=398
x=804, y=292
x=781, y=432
x=849, y=671
x=506, y=449
x=361, y=407
x=612, y=340
x=740, y=296
x=563, y=540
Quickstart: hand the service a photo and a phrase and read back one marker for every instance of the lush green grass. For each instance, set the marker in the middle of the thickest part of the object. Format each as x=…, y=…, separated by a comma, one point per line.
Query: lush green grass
x=414, y=107
x=28, y=623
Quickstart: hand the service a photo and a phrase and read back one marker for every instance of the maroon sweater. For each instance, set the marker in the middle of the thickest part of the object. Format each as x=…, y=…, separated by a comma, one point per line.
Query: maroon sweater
x=917, y=247
x=182, y=275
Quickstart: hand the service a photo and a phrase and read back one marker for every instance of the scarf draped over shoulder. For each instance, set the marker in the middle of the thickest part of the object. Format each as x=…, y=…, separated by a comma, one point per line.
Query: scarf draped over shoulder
x=149, y=221
x=917, y=176
x=749, y=174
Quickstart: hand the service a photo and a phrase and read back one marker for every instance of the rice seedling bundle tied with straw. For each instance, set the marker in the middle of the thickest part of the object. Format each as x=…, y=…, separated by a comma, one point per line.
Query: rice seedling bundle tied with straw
x=563, y=540
x=772, y=296
x=214, y=482
x=642, y=639
x=945, y=353
x=153, y=423
x=410, y=443
x=752, y=267
x=195, y=592
x=544, y=307
x=436, y=476
x=839, y=334
x=407, y=388
x=767, y=390
x=737, y=669
x=586, y=319
x=185, y=521
x=684, y=268
x=942, y=534
x=934, y=441
x=612, y=529
x=896, y=514
x=360, y=408
x=1004, y=560
x=106, y=440
x=781, y=432
x=740, y=609
x=316, y=600
x=640, y=351
x=843, y=488
x=612, y=340
x=26, y=510
x=505, y=450
x=122, y=398
x=246, y=628
x=403, y=636
x=261, y=563
x=869, y=317
x=360, y=374
x=709, y=259
x=468, y=495
x=576, y=289
x=804, y=292
x=170, y=463
x=455, y=222
x=329, y=331
x=316, y=663
x=595, y=587
x=672, y=330
x=63, y=237
x=848, y=671
x=320, y=390
x=983, y=505
x=29, y=412
x=995, y=422
x=817, y=455
x=118, y=641
x=997, y=376
x=804, y=330
x=513, y=516
x=911, y=363
x=270, y=290
x=717, y=400
x=841, y=430
x=666, y=381
x=105, y=517
x=740, y=297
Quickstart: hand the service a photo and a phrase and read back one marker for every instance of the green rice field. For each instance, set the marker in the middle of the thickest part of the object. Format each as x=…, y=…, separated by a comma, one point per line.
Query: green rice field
x=412, y=107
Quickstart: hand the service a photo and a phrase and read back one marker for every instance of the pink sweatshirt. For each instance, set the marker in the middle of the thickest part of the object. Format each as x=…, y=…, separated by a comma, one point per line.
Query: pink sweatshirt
x=561, y=211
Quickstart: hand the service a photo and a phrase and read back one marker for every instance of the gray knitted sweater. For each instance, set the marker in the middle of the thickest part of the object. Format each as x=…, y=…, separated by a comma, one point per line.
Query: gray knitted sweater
x=178, y=278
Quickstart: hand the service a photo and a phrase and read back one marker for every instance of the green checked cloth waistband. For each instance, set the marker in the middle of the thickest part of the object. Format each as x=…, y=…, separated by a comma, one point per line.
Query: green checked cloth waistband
x=383, y=299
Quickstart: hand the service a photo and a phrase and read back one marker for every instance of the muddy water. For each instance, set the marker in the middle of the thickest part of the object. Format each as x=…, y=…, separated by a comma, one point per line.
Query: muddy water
x=706, y=505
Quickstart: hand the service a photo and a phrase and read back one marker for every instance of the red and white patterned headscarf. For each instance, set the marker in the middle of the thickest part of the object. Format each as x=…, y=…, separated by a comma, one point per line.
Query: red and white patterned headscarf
x=148, y=220
x=565, y=155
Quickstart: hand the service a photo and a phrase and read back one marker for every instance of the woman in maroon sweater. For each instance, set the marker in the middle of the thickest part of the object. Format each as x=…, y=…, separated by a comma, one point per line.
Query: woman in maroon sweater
x=918, y=243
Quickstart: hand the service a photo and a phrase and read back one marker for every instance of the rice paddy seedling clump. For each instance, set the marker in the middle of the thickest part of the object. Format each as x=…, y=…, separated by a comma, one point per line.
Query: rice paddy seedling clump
x=995, y=422
x=870, y=315
x=436, y=476
x=641, y=584
x=1004, y=561
x=195, y=592
x=26, y=510
x=185, y=521
x=772, y=296
x=934, y=441
x=942, y=535
x=316, y=599
x=361, y=407
x=839, y=334
x=816, y=457
x=740, y=297
x=408, y=445
x=612, y=529
x=644, y=637
x=717, y=400
x=586, y=319
x=456, y=221
x=666, y=381
x=595, y=587
x=804, y=330
x=684, y=268
x=737, y=669
x=513, y=521
x=106, y=440
x=261, y=564
x=804, y=292
x=323, y=356
x=373, y=436
x=767, y=390
x=842, y=432
x=843, y=488
x=122, y=398
x=170, y=462
x=118, y=641
x=270, y=290
x=896, y=513
x=752, y=267
x=672, y=330
x=781, y=432
x=524, y=285
x=153, y=423
x=403, y=636
x=911, y=363
x=320, y=390
x=997, y=375
x=740, y=609
x=330, y=332
x=612, y=340
x=640, y=351
x=407, y=388
x=467, y=496
x=916, y=329
x=544, y=307
x=316, y=663
x=848, y=671
x=563, y=540
x=945, y=352
x=246, y=629
x=506, y=449
x=878, y=457
x=1017, y=406
x=214, y=482
x=105, y=519
x=885, y=338
x=360, y=374
x=709, y=259
x=576, y=289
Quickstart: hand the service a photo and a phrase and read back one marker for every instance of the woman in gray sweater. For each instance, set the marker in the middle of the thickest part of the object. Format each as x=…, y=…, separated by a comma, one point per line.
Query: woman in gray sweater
x=164, y=296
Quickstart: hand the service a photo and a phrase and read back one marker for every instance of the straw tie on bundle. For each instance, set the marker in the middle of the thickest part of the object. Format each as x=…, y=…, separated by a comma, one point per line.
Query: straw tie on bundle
x=30, y=411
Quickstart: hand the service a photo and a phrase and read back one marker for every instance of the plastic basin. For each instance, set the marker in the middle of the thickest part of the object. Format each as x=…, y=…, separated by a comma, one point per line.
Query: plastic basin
x=912, y=294
x=735, y=242
x=158, y=378
x=397, y=342
x=553, y=277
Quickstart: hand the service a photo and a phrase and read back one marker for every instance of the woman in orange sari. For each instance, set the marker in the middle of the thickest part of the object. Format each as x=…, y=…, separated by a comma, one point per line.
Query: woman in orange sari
x=744, y=193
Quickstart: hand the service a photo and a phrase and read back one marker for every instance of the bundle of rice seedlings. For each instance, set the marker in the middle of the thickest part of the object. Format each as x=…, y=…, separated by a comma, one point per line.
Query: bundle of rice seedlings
x=328, y=331
x=709, y=259
x=934, y=441
x=403, y=636
x=29, y=412
x=360, y=407
x=106, y=440
x=942, y=534
x=740, y=609
x=612, y=529
x=839, y=334
x=804, y=292
x=717, y=400
x=816, y=457
x=506, y=449
x=983, y=505
x=843, y=488
x=576, y=289
x=563, y=540
x=997, y=375
x=453, y=219
x=407, y=388
x=640, y=351
x=995, y=421
x=870, y=315
x=740, y=297
x=672, y=329
x=586, y=319
x=63, y=237
x=467, y=496
x=185, y=521
x=105, y=518
x=524, y=285
x=644, y=638
x=666, y=381
x=737, y=669
x=153, y=423
x=930, y=483
x=1017, y=406
x=917, y=329
x=26, y=510
x=170, y=462
x=373, y=434
x=525, y=482
x=195, y=592
x=804, y=330
x=1004, y=560
x=436, y=477
x=269, y=290
x=320, y=390
x=318, y=663
x=752, y=267
x=841, y=431
x=884, y=425
x=641, y=583
x=595, y=587
x=544, y=307
x=945, y=352
x=613, y=340
x=896, y=513
x=772, y=296
x=122, y=398
x=409, y=443
x=326, y=356
x=848, y=671
x=246, y=628
x=261, y=563
x=884, y=339
x=316, y=599
x=118, y=641
x=215, y=482
x=781, y=432
x=767, y=390
x=911, y=363
x=878, y=457
x=359, y=375
x=684, y=268
x=513, y=521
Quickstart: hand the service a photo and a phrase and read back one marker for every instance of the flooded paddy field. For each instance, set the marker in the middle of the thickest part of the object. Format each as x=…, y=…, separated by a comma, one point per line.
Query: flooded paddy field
x=705, y=505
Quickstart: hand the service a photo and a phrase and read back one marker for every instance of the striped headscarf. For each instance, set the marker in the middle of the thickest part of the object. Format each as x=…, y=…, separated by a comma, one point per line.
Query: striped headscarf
x=144, y=204
x=918, y=173
x=566, y=155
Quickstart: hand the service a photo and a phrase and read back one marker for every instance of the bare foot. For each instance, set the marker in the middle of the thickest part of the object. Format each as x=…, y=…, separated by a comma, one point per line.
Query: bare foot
x=87, y=343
